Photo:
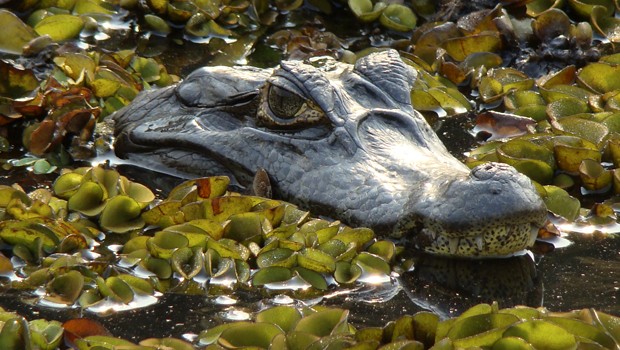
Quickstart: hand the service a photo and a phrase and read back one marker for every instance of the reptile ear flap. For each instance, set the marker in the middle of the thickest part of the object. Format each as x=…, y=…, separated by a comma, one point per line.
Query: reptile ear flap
x=387, y=71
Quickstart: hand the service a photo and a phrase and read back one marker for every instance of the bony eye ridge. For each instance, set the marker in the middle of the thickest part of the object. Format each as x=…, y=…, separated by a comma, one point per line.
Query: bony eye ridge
x=280, y=108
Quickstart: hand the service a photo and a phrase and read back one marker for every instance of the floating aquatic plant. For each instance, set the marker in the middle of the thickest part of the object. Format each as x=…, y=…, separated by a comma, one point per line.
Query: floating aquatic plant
x=200, y=232
x=483, y=325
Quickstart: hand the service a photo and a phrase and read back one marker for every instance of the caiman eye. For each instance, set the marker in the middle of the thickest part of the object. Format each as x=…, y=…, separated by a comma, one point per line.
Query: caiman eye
x=280, y=108
x=283, y=103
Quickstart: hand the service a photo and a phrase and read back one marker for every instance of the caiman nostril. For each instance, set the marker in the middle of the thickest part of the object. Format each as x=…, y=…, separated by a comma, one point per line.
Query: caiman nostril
x=491, y=170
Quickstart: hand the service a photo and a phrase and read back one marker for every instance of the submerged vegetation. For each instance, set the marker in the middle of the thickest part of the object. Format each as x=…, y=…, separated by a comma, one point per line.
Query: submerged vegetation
x=538, y=81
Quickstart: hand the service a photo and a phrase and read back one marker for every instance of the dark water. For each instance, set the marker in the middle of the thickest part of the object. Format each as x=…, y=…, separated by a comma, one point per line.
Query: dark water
x=584, y=275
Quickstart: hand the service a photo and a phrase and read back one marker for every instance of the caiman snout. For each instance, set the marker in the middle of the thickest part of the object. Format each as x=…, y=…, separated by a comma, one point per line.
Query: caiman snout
x=490, y=210
x=493, y=211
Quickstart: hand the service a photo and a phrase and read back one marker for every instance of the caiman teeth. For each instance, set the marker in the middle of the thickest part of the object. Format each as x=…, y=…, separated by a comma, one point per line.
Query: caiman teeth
x=430, y=233
x=453, y=244
x=479, y=242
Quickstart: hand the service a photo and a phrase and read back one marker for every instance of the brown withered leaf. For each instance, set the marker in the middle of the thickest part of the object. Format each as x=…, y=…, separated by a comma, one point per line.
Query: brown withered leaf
x=602, y=210
x=548, y=231
x=502, y=125
x=8, y=114
x=307, y=42
x=31, y=106
x=75, y=120
x=542, y=247
x=41, y=138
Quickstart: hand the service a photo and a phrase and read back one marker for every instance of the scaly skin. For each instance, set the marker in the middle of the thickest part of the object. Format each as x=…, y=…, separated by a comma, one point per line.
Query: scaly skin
x=357, y=151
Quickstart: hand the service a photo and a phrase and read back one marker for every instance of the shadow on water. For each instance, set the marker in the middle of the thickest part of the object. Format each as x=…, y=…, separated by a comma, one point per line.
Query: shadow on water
x=449, y=286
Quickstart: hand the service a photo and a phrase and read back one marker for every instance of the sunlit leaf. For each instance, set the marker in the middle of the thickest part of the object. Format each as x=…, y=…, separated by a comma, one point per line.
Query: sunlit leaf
x=284, y=317
x=167, y=343
x=365, y=10
x=542, y=334
x=325, y=322
x=249, y=334
x=121, y=214
x=594, y=176
x=561, y=203
x=46, y=334
x=270, y=275
x=461, y=47
x=533, y=160
x=60, y=27
x=164, y=243
x=398, y=17
x=600, y=77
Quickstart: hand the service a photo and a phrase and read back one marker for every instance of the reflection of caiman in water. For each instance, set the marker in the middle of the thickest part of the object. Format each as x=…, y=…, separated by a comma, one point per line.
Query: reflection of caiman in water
x=341, y=140
x=450, y=286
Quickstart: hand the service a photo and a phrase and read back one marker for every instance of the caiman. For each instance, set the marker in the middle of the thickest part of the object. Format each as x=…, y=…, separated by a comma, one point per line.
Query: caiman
x=340, y=140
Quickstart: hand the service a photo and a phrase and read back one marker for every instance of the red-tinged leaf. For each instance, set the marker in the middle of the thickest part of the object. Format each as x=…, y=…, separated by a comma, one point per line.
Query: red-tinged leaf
x=31, y=107
x=78, y=328
x=210, y=187
x=59, y=97
x=81, y=92
x=501, y=125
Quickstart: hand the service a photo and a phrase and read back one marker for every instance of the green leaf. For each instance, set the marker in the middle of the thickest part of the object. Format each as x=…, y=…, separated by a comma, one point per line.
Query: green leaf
x=600, y=77
x=284, y=317
x=45, y=334
x=90, y=7
x=121, y=214
x=461, y=47
x=325, y=322
x=270, y=275
x=365, y=11
x=15, y=34
x=561, y=203
x=542, y=335
x=60, y=27
x=245, y=334
x=398, y=17
x=67, y=286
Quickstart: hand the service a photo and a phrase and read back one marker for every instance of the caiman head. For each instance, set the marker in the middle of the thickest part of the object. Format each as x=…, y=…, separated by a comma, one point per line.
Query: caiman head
x=341, y=140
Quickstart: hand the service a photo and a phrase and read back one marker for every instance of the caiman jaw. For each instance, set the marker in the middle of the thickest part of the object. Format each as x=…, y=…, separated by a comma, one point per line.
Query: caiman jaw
x=489, y=241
